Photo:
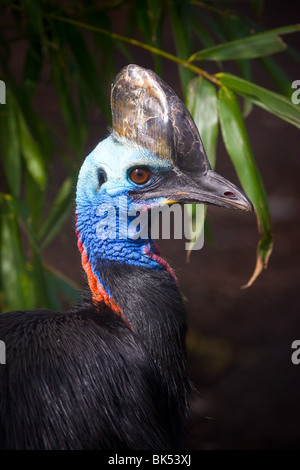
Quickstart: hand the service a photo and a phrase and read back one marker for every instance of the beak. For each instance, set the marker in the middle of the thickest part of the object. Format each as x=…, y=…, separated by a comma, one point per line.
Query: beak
x=146, y=111
x=204, y=188
x=211, y=188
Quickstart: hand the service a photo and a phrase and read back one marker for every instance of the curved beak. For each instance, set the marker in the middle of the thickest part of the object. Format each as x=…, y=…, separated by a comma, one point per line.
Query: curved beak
x=146, y=111
x=203, y=188
x=211, y=188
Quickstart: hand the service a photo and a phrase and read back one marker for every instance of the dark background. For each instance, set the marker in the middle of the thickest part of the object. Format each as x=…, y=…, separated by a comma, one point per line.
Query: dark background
x=246, y=387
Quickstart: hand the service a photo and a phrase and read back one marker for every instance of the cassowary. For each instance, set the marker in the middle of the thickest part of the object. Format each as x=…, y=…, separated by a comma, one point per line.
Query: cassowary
x=111, y=372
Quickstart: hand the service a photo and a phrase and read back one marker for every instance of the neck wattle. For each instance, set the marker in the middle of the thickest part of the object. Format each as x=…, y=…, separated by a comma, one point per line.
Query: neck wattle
x=101, y=249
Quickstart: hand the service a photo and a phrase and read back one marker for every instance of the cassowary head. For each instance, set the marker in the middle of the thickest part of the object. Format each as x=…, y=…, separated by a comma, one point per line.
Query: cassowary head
x=153, y=156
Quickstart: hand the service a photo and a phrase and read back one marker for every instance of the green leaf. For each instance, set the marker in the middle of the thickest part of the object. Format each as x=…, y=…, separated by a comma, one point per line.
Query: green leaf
x=34, y=123
x=35, y=199
x=33, y=14
x=204, y=36
x=217, y=27
x=155, y=14
x=155, y=18
x=275, y=103
x=105, y=43
x=202, y=103
x=60, y=71
x=86, y=64
x=36, y=282
x=238, y=147
x=10, y=146
x=13, y=275
x=258, y=7
x=31, y=153
x=237, y=29
x=181, y=35
x=277, y=74
x=143, y=21
x=33, y=66
x=59, y=212
x=35, y=51
x=250, y=47
x=62, y=286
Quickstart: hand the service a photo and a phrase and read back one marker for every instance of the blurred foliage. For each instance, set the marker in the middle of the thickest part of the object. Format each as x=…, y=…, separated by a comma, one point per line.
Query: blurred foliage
x=73, y=47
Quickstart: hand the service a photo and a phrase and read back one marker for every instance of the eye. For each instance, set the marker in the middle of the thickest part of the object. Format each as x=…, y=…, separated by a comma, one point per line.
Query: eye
x=101, y=177
x=140, y=175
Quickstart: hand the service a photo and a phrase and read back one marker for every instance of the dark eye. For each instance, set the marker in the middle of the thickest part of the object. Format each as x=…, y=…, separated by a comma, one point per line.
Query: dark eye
x=101, y=177
x=140, y=175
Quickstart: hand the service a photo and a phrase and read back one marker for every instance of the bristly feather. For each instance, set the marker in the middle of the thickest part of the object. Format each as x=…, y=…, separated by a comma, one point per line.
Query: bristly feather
x=111, y=373
x=82, y=380
x=152, y=303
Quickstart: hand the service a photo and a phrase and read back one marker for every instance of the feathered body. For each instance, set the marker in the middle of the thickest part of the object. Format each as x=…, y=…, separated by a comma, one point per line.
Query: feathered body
x=111, y=372
x=85, y=380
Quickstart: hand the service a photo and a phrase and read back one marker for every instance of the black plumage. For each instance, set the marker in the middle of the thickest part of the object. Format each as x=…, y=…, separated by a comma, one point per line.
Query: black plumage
x=84, y=379
x=111, y=372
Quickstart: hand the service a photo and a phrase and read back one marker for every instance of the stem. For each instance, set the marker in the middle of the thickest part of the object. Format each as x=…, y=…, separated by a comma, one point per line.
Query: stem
x=149, y=48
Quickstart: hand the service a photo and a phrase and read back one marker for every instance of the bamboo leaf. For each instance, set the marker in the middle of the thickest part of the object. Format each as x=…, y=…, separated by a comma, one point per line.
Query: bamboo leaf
x=204, y=36
x=238, y=147
x=155, y=17
x=10, y=146
x=62, y=286
x=35, y=51
x=155, y=14
x=202, y=103
x=273, y=102
x=33, y=13
x=181, y=37
x=237, y=29
x=143, y=21
x=35, y=124
x=101, y=18
x=63, y=90
x=277, y=74
x=250, y=47
x=35, y=199
x=31, y=153
x=86, y=65
x=58, y=213
x=33, y=66
x=14, y=278
x=36, y=279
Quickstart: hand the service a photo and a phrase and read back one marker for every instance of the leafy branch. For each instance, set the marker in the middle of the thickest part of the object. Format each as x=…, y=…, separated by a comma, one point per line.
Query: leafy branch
x=74, y=48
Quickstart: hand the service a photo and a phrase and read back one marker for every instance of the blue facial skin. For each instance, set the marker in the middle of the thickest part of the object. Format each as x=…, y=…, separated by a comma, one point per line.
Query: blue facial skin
x=103, y=204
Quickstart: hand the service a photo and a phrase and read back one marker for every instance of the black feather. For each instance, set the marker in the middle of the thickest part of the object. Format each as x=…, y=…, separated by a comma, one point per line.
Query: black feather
x=84, y=380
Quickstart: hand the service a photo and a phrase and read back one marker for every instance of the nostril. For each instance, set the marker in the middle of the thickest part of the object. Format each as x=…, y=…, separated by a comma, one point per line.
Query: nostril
x=229, y=194
x=101, y=177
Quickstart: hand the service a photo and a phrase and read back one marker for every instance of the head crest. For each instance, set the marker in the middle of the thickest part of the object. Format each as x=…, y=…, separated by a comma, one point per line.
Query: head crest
x=146, y=110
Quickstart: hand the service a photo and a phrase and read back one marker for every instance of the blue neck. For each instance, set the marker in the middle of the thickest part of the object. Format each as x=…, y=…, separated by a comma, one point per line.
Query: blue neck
x=106, y=230
x=103, y=228
x=108, y=235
